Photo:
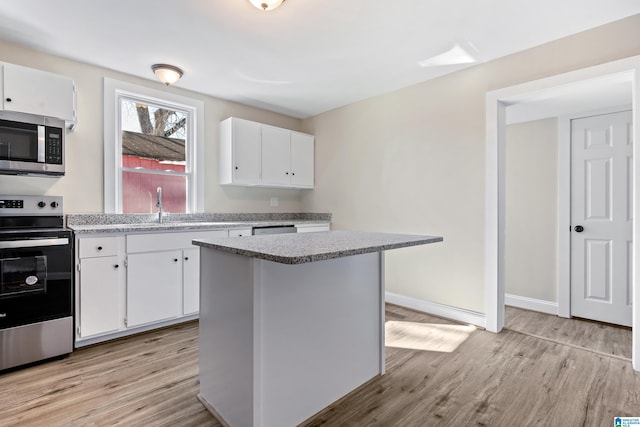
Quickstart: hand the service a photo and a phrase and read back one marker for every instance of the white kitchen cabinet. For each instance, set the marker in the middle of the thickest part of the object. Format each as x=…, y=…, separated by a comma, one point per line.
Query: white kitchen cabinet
x=284, y=159
x=167, y=265
x=239, y=151
x=302, y=158
x=154, y=286
x=276, y=156
x=99, y=281
x=129, y=283
x=38, y=92
x=191, y=281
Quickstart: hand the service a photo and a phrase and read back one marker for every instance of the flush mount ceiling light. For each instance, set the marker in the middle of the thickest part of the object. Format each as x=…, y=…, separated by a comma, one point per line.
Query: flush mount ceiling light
x=167, y=74
x=266, y=4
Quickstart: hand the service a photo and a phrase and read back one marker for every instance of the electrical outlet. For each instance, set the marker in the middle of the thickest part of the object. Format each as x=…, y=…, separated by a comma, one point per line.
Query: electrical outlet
x=274, y=201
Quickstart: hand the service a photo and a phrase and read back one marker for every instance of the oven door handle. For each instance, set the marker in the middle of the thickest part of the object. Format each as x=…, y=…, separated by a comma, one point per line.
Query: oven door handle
x=32, y=243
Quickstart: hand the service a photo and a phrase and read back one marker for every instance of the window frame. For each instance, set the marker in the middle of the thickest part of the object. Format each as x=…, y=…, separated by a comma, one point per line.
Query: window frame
x=114, y=92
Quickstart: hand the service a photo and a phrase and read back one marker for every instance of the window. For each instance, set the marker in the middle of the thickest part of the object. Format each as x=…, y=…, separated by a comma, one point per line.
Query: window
x=152, y=139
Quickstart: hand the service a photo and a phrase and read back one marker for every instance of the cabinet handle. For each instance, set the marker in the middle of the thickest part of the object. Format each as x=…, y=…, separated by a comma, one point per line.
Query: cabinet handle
x=8, y=100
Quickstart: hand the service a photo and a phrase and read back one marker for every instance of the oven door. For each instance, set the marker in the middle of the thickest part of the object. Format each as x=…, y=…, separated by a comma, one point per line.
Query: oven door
x=35, y=277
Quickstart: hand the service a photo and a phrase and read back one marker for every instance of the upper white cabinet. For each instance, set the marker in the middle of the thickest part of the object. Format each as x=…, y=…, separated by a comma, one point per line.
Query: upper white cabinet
x=276, y=160
x=32, y=91
x=240, y=142
x=302, y=149
x=254, y=154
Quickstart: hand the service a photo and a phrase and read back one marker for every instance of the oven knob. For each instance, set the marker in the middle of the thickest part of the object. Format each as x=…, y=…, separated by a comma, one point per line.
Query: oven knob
x=41, y=204
x=54, y=204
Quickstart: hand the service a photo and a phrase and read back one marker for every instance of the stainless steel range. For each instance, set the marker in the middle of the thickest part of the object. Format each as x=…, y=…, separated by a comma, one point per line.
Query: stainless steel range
x=36, y=280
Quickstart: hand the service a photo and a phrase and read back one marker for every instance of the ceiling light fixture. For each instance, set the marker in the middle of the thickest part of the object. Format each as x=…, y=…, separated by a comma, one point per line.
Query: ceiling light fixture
x=266, y=4
x=167, y=74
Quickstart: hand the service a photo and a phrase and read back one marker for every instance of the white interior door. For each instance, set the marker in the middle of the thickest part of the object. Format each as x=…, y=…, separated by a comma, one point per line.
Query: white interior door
x=601, y=217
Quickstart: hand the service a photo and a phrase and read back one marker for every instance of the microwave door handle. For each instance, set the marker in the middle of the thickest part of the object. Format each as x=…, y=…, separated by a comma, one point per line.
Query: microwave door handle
x=41, y=144
x=32, y=243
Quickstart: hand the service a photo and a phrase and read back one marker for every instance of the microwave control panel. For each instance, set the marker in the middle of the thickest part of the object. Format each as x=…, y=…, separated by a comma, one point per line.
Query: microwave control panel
x=53, y=151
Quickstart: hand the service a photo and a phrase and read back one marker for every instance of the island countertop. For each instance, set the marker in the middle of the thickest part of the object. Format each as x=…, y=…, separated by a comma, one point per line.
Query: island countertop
x=310, y=247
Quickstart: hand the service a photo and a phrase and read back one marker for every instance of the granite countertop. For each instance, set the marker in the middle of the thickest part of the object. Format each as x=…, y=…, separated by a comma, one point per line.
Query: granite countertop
x=310, y=247
x=127, y=223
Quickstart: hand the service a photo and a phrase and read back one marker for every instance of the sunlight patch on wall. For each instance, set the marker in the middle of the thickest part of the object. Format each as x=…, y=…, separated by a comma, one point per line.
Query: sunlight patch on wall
x=426, y=336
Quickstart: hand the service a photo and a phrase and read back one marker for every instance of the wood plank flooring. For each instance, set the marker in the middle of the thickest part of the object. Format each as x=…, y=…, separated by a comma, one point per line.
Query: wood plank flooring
x=504, y=379
x=597, y=337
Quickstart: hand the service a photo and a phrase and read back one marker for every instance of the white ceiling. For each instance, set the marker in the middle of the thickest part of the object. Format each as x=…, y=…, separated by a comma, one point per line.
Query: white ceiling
x=308, y=56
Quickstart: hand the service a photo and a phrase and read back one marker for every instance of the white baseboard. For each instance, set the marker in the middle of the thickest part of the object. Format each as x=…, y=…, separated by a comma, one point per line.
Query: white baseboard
x=531, y=304
x=441, y=310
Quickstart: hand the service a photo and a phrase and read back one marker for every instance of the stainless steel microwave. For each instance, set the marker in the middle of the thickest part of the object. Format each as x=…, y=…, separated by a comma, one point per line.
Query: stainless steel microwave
x=31, y=145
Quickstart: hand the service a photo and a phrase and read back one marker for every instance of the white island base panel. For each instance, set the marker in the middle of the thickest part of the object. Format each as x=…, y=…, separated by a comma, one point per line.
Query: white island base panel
x=280, y=342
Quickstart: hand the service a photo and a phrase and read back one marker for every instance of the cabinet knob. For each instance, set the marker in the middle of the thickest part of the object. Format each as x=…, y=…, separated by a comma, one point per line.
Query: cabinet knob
x=186, y=258
x=293, y=173
x=175, y=260
x=236, y=168
x=286, y=173
x=99, y=248
x=8, y=99
x=116, y=266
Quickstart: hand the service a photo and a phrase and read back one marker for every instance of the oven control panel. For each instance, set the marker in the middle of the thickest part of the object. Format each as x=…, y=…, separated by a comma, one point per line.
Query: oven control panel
x=30, y=205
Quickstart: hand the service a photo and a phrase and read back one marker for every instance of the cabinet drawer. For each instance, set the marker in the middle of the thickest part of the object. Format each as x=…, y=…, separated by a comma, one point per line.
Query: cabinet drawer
x=239, y=232
x=168, y=241
x=312, y=228
x=91, y=247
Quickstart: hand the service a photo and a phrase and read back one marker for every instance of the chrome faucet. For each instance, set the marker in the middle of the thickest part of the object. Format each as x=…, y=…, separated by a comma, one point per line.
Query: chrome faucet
x=159, y=203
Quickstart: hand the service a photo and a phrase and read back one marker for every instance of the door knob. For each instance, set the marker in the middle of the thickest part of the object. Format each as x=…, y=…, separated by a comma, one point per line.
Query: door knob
x=578, y=228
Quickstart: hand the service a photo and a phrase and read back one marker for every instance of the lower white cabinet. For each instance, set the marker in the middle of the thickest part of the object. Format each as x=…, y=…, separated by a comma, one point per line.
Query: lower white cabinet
x=99, y=296
x=128, y=283
x=190, y=281
x=135, y=282
x=100, y=280
x=154, y=285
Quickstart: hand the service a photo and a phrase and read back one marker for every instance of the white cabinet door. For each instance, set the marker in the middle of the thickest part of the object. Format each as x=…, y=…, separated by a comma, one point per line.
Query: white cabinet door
x=302, y=159
x=191, y=281
x=246, y=152
x=154, y=285
x=276, y=163
x=99, y=295
x=38, y=92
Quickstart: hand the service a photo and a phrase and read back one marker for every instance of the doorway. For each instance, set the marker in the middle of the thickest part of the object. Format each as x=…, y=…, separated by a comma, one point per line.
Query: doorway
x=610, y=77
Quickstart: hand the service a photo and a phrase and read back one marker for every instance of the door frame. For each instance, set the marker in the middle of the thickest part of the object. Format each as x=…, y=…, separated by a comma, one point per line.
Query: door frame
x=564, y=203
x=495, y=163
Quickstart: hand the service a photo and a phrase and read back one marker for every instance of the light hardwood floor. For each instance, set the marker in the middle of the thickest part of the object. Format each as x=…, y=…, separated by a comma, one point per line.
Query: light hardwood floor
x=506, y=379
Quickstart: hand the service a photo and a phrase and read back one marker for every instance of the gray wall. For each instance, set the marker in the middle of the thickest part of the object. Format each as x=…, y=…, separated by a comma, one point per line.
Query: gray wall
x=414, y=161
x=531, y=258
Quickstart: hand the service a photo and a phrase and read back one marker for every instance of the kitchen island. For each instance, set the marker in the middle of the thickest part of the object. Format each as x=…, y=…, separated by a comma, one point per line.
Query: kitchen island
x=290, y=323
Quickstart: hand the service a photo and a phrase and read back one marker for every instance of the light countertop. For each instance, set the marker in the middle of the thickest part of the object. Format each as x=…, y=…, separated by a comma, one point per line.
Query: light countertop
x=128, y=223
x=310, y=247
